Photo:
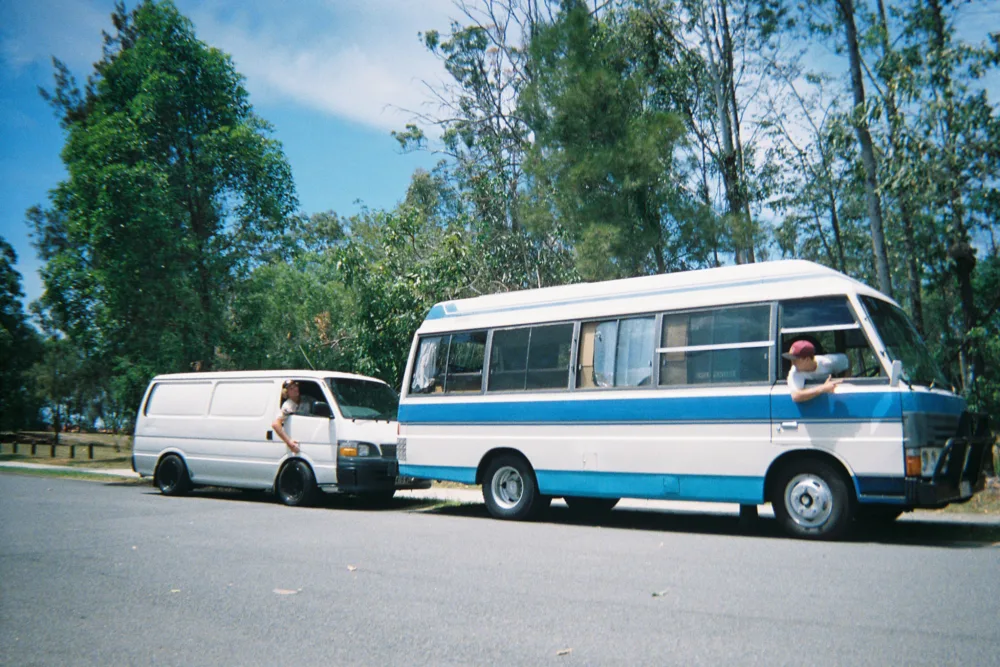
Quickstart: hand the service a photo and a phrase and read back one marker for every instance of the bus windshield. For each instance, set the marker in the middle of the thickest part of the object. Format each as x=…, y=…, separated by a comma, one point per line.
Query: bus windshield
x=902, y=342
x=364, y=399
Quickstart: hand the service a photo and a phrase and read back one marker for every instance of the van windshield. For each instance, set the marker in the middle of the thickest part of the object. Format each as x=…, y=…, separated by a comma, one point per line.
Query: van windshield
x=902, y=342
x=364, y=399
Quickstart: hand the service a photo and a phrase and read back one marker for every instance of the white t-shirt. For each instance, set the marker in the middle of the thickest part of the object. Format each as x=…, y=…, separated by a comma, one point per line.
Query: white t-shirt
x=303, y=407
x=826, y=365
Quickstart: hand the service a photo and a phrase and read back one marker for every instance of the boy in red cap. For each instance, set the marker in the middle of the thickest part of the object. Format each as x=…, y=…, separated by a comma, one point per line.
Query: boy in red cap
x=807, y=365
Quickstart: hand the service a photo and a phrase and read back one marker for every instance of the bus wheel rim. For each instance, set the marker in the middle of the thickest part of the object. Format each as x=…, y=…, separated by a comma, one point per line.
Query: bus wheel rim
x=809, y=500
x=508, y=487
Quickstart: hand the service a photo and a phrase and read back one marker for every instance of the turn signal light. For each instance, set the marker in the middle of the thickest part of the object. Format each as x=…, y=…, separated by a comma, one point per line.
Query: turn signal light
x=353, y=451
x=913, y=466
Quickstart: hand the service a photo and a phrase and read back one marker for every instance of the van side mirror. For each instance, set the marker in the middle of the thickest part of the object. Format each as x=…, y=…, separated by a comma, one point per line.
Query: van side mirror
x=895, y=373
x=321, y=409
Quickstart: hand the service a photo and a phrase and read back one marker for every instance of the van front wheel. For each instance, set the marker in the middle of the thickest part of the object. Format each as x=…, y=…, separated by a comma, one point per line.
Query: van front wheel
x=172, y=476
x=296, y=484
x=510, y=490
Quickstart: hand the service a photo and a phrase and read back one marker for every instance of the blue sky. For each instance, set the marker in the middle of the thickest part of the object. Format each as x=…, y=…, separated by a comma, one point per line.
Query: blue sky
x=334, y=77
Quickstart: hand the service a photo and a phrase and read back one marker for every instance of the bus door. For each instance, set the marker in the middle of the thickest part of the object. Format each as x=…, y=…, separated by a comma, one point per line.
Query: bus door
x=860, y=421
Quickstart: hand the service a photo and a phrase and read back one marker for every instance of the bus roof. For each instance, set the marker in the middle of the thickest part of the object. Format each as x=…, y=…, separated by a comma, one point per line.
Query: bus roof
x=746, y=283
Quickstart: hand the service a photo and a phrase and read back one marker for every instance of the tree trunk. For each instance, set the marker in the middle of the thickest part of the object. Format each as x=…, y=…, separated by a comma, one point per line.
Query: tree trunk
x=907, y=212
x=860, y=122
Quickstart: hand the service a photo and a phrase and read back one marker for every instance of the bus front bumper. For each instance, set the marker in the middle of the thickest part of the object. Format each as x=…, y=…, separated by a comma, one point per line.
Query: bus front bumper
x=960, y=473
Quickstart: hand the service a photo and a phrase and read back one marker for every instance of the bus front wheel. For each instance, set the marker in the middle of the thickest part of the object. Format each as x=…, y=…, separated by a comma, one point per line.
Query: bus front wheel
x=510, y=490
x=811, y=500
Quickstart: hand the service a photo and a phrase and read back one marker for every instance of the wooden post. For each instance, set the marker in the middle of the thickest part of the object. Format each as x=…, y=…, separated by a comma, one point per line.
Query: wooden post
x=72, y=451
x=90, y=452
x=52, y=452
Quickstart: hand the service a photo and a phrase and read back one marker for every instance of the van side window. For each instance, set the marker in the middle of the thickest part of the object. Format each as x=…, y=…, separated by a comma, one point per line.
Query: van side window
x=616, y=353
x=309, y=395
x=722, y=345
x=180, y=399
x=530, y=358
x=830, y=325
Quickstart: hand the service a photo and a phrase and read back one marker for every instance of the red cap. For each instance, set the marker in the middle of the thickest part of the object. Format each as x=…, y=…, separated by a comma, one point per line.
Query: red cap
x=800, y=349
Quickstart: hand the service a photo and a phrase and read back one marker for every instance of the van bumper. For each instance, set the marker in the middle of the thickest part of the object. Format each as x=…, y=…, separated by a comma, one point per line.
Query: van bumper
x=960, y=473
x=365, y=475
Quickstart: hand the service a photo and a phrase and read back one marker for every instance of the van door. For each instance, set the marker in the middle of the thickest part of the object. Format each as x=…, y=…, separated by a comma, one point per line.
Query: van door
x=314, y=429
x=235, y=449
x=860, y=422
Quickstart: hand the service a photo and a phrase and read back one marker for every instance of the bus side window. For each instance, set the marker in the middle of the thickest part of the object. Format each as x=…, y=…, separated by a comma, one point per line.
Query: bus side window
x=616, y=353
x=466, y=355
x=717, y=346
x=428, y=369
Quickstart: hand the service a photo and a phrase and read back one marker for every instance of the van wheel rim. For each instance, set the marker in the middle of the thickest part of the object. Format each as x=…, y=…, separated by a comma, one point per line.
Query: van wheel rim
x=508, y=487
x=169, y=475
x=291, y=482
x=809, y=500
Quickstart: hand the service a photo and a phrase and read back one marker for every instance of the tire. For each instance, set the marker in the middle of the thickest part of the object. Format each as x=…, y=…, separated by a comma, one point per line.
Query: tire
x=811, y=500
x=510, y=490
x=590, y=506
x=172, y=476
x=296, y=484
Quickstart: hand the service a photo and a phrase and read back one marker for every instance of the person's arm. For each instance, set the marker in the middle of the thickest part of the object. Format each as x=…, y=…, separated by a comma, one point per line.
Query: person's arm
x=279, y=427
x=809, y=393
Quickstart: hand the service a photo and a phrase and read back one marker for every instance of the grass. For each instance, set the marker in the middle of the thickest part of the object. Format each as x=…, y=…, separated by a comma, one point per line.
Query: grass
x=72, y=474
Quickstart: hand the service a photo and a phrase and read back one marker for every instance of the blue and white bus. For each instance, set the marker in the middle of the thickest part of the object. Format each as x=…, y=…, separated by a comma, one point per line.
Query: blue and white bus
x=673, y=387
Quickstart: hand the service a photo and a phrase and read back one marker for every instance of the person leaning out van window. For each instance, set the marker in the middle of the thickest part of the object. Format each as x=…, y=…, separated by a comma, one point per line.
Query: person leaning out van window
x=807, y=365
x=292, y=403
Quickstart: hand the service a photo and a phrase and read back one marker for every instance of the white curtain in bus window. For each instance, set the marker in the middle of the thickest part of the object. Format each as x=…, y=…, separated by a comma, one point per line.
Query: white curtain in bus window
x=634, y=352
x=605, y=344
x=548, y=357
x=427, y=371
x=465, y=362
x=720, y=346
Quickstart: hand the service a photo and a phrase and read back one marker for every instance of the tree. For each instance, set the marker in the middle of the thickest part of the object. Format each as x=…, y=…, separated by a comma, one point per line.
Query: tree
x=20, y=347
x=602, y=163
x=174, y=192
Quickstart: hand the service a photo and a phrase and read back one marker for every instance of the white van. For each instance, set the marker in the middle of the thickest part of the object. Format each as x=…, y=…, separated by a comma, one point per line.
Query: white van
x=197, y=429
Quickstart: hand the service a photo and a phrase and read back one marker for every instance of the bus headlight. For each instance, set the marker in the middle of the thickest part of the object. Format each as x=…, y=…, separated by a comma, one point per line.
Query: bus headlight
x=922, y=461
x=353, y=448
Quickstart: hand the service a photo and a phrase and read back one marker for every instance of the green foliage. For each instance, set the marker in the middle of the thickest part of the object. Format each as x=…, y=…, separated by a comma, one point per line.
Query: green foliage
x=20, y=346
x=174, y=192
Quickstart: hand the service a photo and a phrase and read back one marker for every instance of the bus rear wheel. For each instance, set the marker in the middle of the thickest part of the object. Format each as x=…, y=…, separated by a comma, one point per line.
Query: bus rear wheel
x=811, y=500
x=510, y=490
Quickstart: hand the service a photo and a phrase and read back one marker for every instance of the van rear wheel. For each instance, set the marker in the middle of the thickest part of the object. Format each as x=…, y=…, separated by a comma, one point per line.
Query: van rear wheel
x=296, y=484
x=510, y=490
x=172, y=476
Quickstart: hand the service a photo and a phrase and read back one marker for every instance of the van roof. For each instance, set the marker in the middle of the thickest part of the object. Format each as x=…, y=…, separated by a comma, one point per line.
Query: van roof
x=745, y=283
x=242, y=375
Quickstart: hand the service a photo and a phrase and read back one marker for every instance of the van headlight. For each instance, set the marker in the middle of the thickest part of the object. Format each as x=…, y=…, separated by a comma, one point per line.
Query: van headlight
x=353, y=448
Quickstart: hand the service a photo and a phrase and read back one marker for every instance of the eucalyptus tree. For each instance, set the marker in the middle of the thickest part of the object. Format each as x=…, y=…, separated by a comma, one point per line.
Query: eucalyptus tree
x=20, y=347
x=174, y=189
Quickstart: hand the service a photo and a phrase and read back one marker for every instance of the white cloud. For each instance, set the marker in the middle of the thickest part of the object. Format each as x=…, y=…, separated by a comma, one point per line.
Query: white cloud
x=358, y=60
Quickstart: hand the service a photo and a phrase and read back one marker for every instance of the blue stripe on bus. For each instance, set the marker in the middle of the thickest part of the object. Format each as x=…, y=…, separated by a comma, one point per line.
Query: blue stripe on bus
x=882, y=406
x=723, y=409
x=441, y=473
x=878, y=406
x=914, y=401
x=714, y=488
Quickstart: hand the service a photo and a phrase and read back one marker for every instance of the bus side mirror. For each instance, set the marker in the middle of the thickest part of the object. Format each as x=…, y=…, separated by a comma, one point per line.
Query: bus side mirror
x=895, y=373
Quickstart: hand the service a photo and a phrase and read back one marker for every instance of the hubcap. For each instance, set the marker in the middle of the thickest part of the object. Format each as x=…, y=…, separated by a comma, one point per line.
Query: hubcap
x=809, y=500
x=508, y=487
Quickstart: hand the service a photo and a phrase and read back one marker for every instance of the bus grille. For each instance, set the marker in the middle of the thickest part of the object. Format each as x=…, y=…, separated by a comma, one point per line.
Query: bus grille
x=940, y=427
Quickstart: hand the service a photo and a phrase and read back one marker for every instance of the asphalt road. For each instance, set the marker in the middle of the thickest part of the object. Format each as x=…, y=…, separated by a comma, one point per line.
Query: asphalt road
x=97, y=573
